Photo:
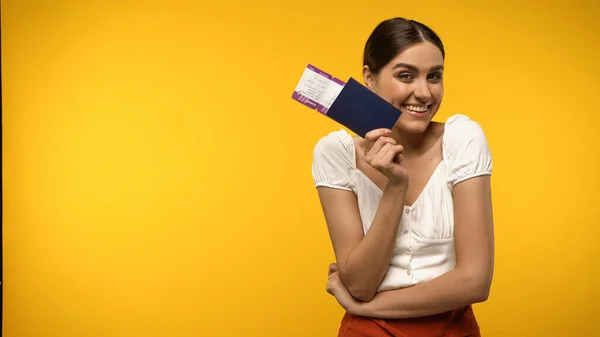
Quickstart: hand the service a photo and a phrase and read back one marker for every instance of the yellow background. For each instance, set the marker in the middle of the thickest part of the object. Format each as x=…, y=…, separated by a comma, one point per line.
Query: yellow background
x=157, y=173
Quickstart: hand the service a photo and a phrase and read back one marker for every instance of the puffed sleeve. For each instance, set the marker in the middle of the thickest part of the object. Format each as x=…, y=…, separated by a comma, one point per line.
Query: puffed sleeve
x=466, y=150
x=333, y=161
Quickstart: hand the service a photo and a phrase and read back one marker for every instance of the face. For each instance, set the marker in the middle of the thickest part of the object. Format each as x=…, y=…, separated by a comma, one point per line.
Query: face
x=412, y=82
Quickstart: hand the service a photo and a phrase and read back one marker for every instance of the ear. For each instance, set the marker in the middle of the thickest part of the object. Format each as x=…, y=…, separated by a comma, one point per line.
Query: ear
x=369, y=78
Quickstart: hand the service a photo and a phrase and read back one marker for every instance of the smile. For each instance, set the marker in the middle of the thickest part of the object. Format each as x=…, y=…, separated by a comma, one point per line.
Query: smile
x=415, y=109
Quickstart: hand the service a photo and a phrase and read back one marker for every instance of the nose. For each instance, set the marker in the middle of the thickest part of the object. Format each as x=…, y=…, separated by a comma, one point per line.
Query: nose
x=422, y=92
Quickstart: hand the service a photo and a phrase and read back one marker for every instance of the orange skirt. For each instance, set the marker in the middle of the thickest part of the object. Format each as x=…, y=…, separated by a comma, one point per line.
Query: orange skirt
x=455, y=323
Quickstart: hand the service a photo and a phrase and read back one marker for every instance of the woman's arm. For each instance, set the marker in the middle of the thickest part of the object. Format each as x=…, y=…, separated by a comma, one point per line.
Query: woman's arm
x=469, y=282
x=362, y=260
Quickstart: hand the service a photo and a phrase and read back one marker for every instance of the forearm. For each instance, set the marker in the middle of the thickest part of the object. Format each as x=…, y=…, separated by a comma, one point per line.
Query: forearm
x=452, y=290
x=367, y=264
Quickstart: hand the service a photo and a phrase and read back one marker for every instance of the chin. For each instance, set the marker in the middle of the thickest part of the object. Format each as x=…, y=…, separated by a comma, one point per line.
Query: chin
x=413, y=125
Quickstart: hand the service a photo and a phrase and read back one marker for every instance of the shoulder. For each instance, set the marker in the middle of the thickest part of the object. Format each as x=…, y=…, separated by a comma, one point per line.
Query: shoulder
x=461, y=130
x=466, y=149
x=333, y=161
x=337, y=145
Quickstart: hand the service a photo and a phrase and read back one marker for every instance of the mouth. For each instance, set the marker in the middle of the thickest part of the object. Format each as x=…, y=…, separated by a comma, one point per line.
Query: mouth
x=416, y=110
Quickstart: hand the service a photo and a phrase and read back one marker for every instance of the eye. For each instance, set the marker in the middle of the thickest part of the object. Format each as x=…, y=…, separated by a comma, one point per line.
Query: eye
x=435, y=76
x=405, y=76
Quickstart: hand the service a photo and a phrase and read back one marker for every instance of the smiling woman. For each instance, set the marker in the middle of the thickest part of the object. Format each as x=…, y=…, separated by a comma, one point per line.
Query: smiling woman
x=408, y=209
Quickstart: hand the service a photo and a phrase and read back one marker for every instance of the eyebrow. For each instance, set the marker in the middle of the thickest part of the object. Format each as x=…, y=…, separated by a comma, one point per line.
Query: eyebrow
x=415, y=69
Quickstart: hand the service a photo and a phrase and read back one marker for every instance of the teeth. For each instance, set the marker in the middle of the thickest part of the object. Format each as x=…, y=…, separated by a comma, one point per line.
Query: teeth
x=416, y=108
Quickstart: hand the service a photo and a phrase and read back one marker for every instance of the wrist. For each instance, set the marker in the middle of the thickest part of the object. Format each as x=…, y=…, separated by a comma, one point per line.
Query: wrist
x=360, y=308
x=397, y=187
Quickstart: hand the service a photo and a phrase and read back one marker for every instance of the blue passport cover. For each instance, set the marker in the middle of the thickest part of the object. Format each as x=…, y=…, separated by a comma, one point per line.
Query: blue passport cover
x=361, y=110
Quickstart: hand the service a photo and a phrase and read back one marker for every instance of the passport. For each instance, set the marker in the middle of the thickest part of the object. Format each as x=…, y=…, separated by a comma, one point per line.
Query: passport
x=349, y=103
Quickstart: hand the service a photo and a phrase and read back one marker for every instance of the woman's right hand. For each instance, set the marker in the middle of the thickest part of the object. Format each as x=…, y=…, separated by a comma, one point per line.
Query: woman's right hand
x=382, y=153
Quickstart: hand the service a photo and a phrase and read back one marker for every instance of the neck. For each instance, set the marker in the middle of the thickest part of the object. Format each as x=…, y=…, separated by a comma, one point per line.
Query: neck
x=415, y=143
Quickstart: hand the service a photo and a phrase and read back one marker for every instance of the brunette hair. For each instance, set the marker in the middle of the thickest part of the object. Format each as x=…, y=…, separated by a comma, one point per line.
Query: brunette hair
x=393, y=36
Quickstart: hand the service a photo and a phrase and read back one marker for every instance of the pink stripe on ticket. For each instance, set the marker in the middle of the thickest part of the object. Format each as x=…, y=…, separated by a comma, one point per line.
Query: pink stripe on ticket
x=304, y=100
x=322, y=109
x=338, y=81
x=319, y=71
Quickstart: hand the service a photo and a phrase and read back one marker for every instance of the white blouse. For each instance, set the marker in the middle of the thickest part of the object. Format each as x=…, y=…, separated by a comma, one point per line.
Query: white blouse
x=425, y=242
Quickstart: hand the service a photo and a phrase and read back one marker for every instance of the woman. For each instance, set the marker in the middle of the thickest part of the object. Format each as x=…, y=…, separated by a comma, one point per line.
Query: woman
x=408, y=209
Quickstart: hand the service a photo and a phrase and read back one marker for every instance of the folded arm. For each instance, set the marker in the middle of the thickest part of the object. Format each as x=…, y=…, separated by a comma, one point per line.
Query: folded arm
x=362, y=260
x=469, y=282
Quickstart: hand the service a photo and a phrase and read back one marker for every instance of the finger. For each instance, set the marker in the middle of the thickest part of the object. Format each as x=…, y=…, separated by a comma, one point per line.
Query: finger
x=372, y=135
x=375, y=136
x=329, y=287
x=378, y=145
x=398, y=158
x=387, y=158
x=378, y=162
x=378, y=159
x=380, y=140
x=394, y=155
x=399, y=154
x=332, y=268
